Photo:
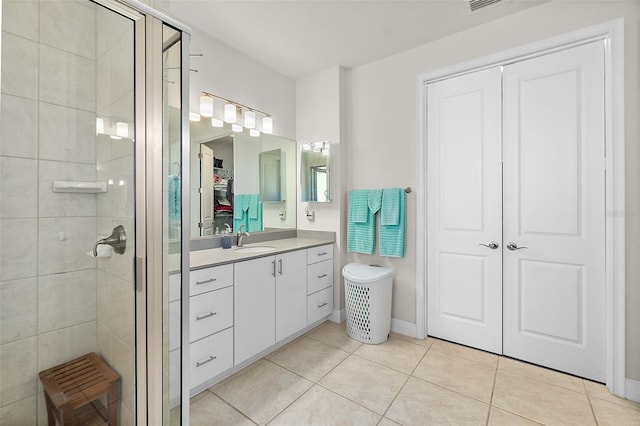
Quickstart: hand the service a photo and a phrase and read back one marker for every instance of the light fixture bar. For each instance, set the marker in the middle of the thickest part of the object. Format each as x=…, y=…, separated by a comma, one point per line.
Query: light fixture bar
x=236, y=103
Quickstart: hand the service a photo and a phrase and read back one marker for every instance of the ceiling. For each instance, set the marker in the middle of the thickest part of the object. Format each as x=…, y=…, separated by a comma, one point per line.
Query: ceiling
x=300, y=37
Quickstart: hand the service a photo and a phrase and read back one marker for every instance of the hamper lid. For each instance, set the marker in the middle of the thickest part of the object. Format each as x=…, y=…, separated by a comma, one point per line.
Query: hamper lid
x=365, y=273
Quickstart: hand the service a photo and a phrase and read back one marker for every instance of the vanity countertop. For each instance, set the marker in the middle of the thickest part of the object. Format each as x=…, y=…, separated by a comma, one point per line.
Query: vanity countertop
x=218, y=256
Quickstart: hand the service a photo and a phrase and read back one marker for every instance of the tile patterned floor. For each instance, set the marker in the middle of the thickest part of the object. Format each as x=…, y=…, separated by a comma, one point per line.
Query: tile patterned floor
x=326, y=378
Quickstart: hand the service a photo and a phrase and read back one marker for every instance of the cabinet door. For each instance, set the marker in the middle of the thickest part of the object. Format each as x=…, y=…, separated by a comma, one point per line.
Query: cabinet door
x=291, y=293
x=254, y=307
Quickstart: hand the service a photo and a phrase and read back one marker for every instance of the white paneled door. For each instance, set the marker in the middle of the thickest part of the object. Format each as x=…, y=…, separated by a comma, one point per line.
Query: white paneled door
x=206, y=190
x=516, y=210
x=554, y=205
x=465, y=202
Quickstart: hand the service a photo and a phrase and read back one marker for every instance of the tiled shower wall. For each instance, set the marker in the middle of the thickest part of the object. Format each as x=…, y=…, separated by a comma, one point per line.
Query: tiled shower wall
x=55, y=304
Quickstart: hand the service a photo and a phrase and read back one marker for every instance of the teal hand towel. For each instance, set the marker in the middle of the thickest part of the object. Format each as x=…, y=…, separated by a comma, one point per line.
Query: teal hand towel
x=253, y=206
x=374, y=200
x=392, y=238
x=246, y=199
x=237, y=223
x=255, y=224
x=238, y=212
x=390, y=209
x=358, y=205
x=360, y=235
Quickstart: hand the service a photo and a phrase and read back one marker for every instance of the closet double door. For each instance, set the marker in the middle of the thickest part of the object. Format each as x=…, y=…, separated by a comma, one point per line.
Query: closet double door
x=516, y=205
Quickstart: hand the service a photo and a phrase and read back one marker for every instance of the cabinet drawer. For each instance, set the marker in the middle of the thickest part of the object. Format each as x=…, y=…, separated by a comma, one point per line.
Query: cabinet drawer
x=318, y=254
x=210, y=356
x=174, y=287
x=174, y=325
x=203, y=280
x=210, y=313
x=319, y=305
x=319, y=276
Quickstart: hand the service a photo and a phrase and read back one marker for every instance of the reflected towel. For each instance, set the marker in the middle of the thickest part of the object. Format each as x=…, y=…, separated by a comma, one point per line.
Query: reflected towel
x=174, y=197
x=253, y=206
x=358, y=205
x=392, y=237
x=238, y=212
x=360, y=234
x=255, y=224
x=246, y=199
x=237, y=223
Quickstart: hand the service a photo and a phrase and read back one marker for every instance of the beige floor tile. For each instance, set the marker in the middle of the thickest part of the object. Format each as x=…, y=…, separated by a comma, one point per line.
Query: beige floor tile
x=427, y=342
x=367, y=383
x=540, y=373
x=319, y=406
x=608, y=413
x=386, y=422
x=600, y=391
x=423, y=403
x=465, y=352
x=309, y=358
x=498, y=417
x=461, y=375
x=540, y=401
x=394, y=353
x=334, y=335
x=263, y=391
x=209, y=410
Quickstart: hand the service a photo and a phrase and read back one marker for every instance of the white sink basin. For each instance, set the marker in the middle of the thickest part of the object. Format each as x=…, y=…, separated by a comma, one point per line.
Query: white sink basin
x=254, y=249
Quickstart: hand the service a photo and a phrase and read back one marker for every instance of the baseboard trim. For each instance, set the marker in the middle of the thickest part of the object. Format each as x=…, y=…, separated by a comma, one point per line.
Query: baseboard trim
x=338, y=315
x=404, y=328
x=632, y=390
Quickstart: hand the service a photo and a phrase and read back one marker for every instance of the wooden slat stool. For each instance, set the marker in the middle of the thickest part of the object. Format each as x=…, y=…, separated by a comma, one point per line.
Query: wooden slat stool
x=73, y=390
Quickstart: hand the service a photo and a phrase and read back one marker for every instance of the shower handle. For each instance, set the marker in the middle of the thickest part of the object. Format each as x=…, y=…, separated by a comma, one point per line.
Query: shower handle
x=117, y=240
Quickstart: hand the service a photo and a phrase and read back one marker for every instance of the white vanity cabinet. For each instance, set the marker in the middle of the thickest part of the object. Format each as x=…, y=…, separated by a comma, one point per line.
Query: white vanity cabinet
x=269, y=302
x=319, y=282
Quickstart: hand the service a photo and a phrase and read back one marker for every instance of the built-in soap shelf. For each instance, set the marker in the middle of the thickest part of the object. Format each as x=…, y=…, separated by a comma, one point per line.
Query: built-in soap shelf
x=83, y=187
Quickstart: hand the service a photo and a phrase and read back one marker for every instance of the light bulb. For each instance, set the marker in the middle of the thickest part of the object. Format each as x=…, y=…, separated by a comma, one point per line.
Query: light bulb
x=253, y=132
x=194, y=116
x=236, y=128
x=267, y=125
x=230, y=113
x=250, y=119
x=99, y=125
x=216, y=122
x=206, y=106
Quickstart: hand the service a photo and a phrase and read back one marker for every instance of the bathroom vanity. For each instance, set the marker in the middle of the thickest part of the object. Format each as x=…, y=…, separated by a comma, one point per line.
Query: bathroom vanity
x=246, y=302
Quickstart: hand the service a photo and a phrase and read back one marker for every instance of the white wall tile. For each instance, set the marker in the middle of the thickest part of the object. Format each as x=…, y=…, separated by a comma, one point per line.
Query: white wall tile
x=118, y=201
x=66, y=134
x=123, y=362
x=20, y=17
x=122, y=66
x=110, y=28
x=43, y=419
x=19, y=248
x=66, y=299
x=18, y=127
x=66, y=344
x=69, y=25
x=103, y=341
x=67, y=79
x=21, y=413
x=19, y=66
x=70, y=254
x=18, y=370
x=18, y=309
x=103, y=82
x=123, y=310
x=58, y=204
x=18, y=187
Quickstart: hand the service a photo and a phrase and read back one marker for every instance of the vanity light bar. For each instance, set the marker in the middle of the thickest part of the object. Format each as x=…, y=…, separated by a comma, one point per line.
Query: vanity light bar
x=250, y=115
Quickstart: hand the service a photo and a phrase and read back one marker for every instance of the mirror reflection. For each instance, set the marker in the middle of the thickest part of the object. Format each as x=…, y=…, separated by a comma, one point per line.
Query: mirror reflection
x=315, y=179
x=238, y=179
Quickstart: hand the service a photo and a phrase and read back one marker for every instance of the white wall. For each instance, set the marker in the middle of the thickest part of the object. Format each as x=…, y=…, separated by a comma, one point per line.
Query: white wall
x=381, y=134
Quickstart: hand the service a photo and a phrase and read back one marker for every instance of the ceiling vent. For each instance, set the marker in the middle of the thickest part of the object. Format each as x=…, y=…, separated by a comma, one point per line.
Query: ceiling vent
x=475, y=5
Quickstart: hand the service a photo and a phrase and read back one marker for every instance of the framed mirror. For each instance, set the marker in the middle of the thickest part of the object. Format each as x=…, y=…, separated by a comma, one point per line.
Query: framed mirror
x=226, y=164
x=315, y=177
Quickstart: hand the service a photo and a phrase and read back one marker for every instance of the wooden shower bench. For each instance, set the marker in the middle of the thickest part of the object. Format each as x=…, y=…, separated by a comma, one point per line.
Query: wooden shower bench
x=73, y=391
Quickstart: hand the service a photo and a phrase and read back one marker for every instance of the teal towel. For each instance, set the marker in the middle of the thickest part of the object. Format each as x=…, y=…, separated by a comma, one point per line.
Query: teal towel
x=374, y=200
x=255, y=224
x=253, y=206
x=360, y=235
x=358, y=205
x=237, y=223
x=245, y=202
x=238, y=212
x=392, y=237
x=390, y=209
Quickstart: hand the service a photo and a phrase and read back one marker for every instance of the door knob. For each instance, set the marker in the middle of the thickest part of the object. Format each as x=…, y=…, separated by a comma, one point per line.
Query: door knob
x=513, y=246
x=492, y=245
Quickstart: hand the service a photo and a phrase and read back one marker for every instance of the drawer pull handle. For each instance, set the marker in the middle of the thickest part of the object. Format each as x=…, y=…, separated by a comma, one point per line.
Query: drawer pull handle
x=324, y=253
x=201, y=363
x=210, y=280
x=322, y=305
x=322, y=275
x=210, y=314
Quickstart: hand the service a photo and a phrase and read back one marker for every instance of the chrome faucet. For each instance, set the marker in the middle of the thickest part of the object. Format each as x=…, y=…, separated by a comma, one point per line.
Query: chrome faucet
x=241, y=236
